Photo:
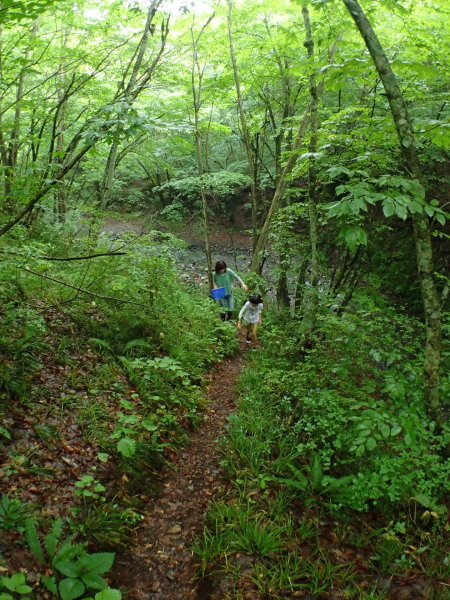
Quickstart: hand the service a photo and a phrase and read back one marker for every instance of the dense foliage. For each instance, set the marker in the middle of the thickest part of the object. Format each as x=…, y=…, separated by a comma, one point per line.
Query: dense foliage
x=323, y=435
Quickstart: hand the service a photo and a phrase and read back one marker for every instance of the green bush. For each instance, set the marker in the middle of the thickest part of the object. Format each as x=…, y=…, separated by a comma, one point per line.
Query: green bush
x=21, y=340
x=354, y=401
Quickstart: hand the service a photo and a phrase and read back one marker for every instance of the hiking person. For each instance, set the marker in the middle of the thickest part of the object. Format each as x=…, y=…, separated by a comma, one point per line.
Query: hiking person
x=223, y=277
x=251, y=314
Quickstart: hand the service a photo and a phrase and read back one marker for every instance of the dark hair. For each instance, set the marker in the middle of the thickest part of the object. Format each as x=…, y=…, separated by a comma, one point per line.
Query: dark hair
x=220, y=265
x=255, y=298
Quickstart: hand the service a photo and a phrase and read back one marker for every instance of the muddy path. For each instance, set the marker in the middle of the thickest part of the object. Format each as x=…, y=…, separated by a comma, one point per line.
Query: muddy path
x=159, y=565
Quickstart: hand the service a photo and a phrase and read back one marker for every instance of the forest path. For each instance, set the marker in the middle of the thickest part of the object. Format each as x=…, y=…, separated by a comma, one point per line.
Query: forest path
x=159, y=565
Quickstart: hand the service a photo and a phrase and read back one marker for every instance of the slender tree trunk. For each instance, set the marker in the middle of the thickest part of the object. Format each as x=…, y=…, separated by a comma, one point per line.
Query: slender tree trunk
x=311, y=315
x=130, y=94
x=422, y=232
x=196, y=86
x=300, y=289
x=108, y=177
x=62, y=100
x=11, y=147
x=283, y=299
x=279, y=191
x=245, y=131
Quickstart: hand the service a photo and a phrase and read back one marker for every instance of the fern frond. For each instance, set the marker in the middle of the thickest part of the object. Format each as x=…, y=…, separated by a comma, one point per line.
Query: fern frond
x=100, y=343
x=139, y=343
x=32, y=538
x=316, y=472
x=51, y=540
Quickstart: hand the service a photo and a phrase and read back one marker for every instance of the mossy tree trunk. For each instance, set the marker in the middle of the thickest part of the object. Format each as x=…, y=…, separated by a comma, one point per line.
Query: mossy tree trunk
x=313, y=300
x=422, y=231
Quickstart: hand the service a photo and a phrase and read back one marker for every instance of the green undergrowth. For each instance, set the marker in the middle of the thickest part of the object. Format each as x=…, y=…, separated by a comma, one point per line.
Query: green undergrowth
x=341, y=478
x=98, y=392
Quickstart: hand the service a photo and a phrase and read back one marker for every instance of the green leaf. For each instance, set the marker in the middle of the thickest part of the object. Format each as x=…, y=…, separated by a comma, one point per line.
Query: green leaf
x=421, y=550
x=395, y=430
x=423, y=500
x=108, y=594
x=17, y=579
x=23, y=589
x=299, y=485
x=388, y=207
x=32, y=537
x=371, y=443
x=385, y=430
x=360, y=450
x=16, y=583
x=5, y=596
x=52, y=538
x=126, y=446
x=71, y=588
x=401, y=211
x=67, y=568
x=99, y=562
x=316, y=472
x=94, y=581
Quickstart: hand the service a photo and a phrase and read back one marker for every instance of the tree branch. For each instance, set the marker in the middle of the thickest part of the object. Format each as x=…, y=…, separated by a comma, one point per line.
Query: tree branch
x=74, y=287
x=69, y=257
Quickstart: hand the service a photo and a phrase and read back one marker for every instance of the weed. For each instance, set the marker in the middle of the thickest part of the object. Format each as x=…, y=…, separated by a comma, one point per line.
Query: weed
x=89, y=488
x=16, y=584
x=47, y=433
x=107, y=524
x=93, y=419
x=13, y=513
x=73, y=570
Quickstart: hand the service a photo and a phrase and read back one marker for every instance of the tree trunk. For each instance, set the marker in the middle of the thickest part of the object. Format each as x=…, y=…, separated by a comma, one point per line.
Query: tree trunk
x=10, y=149
x=300, y=288
x=108, y=178
x=62, y=100
x=196, y=86
x=311, y=311
x=245, y=131
x=130, y=92
x=422, y=232
x=279, y=191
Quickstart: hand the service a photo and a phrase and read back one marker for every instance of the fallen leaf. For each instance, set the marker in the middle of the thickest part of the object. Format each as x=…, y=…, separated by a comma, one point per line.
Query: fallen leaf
x=175, y=529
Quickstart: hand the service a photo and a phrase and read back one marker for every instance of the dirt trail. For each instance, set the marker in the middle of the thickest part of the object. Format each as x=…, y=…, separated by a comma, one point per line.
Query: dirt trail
x=159, y=565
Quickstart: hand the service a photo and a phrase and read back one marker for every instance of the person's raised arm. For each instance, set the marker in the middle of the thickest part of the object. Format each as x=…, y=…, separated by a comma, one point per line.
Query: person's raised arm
x=236, y=276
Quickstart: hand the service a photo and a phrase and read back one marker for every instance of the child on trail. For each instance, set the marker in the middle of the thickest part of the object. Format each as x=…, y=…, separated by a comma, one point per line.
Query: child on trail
x=223, y=277
x=251, y=313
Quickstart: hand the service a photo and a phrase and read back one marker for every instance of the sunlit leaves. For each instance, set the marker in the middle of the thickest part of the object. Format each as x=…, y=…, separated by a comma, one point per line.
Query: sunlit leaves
x=17, y=10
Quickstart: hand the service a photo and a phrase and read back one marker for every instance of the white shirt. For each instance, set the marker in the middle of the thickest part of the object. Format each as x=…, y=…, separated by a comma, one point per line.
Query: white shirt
x=250, y=312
